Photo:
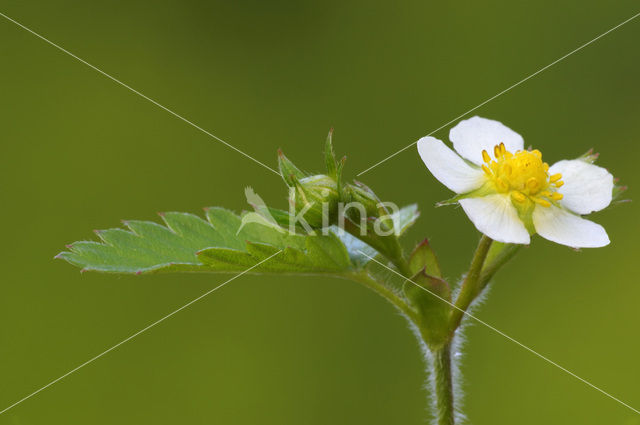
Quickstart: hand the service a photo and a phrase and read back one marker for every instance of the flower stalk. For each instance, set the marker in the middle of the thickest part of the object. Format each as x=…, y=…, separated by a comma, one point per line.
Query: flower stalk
x=471, y=287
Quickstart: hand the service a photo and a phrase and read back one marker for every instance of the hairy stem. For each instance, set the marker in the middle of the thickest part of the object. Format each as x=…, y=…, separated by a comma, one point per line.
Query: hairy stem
x=470, y=287
x=443, y=385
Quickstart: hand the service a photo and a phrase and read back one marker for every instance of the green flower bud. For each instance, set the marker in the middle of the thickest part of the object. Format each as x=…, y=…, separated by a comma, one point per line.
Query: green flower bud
x=316, y=199
x=362, y=195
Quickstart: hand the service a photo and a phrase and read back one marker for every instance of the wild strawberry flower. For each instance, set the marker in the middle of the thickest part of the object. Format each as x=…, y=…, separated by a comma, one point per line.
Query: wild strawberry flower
x=510, y=193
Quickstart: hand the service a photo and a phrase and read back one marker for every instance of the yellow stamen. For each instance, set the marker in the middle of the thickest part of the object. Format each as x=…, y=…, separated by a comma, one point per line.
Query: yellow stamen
x=555, y=177
x=502, y=185
x=523, y=175
x=518, y=196
x=542, y=202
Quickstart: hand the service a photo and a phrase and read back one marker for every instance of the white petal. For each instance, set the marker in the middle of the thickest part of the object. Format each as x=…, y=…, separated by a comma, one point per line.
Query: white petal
x=448, y=167
x=470, y=137
x=565, y=228
x=496, y=217
x=587, y=187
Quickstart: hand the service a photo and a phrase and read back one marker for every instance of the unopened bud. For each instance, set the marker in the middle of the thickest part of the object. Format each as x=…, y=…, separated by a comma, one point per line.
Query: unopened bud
x=317, y=196
x=361, y=193
x=365, y=197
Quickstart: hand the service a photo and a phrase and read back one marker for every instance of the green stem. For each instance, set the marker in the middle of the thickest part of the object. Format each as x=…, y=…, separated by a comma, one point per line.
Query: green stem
x=470, y=288
x=364, y=278
x=443, y=385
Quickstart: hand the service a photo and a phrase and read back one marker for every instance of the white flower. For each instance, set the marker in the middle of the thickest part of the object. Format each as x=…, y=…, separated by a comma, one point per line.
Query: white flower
x=509, y=193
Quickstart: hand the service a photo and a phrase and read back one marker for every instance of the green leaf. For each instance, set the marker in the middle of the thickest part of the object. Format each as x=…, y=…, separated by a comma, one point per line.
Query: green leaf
x=189, y=243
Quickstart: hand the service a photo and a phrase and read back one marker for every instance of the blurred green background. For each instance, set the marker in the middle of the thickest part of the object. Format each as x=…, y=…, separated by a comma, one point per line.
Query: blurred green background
x=80, y=152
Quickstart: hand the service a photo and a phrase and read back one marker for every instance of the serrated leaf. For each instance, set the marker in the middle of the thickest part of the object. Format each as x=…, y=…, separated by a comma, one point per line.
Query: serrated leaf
x=224, y=242
x=221, y=243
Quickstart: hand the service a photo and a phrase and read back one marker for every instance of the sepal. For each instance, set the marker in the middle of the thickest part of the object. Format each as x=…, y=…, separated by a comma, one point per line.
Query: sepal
x=484, y=190
x=618, y=190
x=330, y=157
x=589, y=156
x=288, y=170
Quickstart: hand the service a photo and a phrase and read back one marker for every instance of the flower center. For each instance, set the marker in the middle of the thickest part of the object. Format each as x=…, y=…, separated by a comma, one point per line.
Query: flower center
x=523, y=175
